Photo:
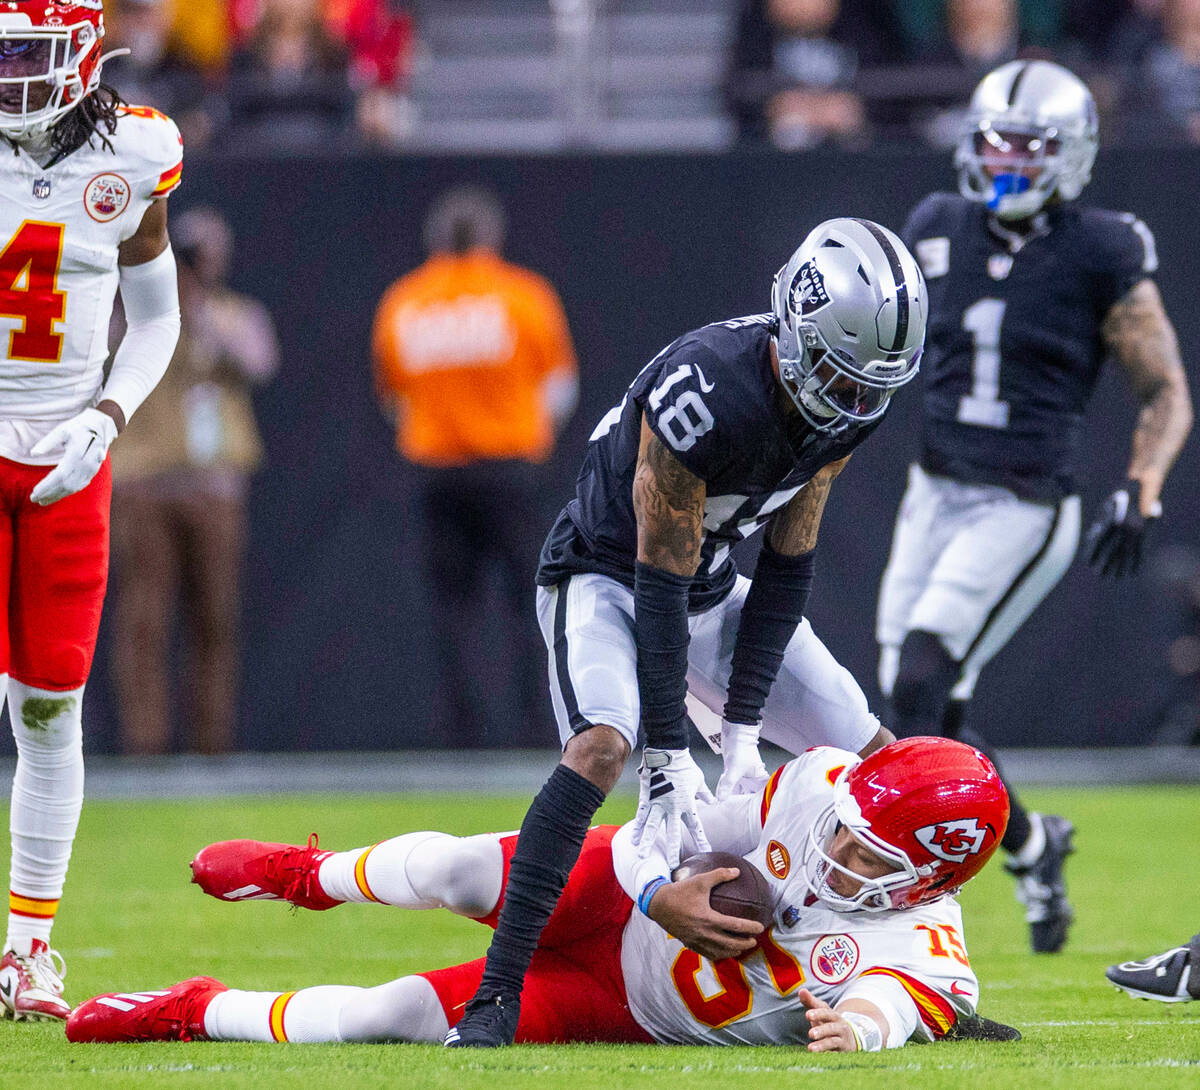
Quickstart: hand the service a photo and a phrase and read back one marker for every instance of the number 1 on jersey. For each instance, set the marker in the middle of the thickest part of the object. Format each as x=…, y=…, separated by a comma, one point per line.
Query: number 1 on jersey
x=29, y=291
x=982, y=406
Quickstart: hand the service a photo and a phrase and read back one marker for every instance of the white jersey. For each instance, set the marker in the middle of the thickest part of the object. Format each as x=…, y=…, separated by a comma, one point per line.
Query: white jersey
x=60, y=229
x=912, y=964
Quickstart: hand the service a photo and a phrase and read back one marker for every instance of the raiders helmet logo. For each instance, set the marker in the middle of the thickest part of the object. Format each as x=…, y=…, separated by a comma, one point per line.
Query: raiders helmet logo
x=953, y=840
x=807, y=293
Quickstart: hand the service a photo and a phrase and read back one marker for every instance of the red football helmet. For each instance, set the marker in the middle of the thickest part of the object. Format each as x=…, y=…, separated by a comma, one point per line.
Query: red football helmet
x=933, y=806
x=49, y=49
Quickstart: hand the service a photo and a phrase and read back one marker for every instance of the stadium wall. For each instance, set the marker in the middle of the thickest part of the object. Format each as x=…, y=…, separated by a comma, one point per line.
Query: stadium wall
x=641, y=248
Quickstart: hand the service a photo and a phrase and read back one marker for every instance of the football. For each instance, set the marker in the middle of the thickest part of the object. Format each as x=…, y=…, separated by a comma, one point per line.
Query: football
x=747, y=896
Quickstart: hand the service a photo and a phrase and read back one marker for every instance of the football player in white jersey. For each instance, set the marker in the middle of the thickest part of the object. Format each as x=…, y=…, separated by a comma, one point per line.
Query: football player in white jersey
x=83, y=177
x=866, y=948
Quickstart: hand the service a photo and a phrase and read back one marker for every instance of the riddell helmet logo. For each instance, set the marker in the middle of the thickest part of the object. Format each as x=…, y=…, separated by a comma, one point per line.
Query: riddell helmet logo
x=953, y=840
x=778, y=860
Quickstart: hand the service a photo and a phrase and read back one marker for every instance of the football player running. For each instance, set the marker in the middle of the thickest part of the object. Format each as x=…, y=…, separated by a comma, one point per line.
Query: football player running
x=1028, y=292
x=83, y=179
x=865, y=950
x=735, y=426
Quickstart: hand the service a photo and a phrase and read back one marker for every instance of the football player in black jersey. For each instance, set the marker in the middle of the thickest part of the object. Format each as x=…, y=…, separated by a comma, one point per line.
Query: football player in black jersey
x=735, y=426
x=1029, y=291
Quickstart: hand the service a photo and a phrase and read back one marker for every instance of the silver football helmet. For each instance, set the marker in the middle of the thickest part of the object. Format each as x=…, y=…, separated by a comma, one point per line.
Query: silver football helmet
x=850, y=311
x=1031, y=133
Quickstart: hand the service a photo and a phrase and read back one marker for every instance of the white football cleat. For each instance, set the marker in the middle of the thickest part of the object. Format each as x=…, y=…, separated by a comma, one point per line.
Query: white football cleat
x=31, y=985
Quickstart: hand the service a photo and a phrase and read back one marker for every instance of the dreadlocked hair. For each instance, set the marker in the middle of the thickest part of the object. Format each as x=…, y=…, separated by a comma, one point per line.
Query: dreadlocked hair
x=96, y=116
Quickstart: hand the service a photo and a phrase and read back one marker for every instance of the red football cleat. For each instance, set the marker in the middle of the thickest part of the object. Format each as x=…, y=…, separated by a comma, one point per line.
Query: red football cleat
x=31, y=988
x=176, y=1014
x=253, y=870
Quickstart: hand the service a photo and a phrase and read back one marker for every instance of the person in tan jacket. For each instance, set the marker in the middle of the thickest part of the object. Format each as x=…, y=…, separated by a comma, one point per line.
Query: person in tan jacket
x=180, y=486
x=474, y=361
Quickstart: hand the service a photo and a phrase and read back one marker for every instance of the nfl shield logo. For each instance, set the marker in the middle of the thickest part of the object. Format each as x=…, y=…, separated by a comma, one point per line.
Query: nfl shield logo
x=999, y=266
x=41, y=188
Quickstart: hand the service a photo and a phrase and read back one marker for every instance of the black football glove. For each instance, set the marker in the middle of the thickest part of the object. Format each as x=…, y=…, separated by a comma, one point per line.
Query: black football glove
x=1114, y=542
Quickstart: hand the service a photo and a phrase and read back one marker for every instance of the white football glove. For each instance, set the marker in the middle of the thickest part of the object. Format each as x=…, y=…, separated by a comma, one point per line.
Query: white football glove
x=744, y=771
x=84, y=441
x=671, y=784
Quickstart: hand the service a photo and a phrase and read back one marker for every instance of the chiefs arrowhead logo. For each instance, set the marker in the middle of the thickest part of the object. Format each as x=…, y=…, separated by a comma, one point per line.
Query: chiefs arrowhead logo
x=953, y=840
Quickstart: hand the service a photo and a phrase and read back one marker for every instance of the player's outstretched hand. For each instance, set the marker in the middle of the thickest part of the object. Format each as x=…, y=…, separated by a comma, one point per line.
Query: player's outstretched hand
x=828, y=1031
x=670, y=784
x=683, y=909
x=84, y=441
x=744, y=772
x=1114, y=542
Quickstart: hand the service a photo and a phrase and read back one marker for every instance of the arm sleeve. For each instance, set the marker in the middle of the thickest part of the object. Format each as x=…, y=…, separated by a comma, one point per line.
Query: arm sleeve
x=774, y=607
x=150, y=293
x=894, y=1003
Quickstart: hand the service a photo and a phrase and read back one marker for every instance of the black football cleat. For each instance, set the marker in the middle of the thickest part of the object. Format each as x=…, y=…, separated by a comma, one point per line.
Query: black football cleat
x=1170, y=977
x=974, y=1027
x=1042, y=889
x=486, y=1023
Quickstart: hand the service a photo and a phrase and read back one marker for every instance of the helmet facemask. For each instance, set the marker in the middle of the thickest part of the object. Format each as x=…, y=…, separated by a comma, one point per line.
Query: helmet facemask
x=1013, y=170
x=874, y=894
x=45, y=72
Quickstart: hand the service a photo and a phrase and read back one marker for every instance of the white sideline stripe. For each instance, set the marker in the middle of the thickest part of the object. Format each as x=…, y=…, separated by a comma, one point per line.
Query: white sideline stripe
x=1165, y=1020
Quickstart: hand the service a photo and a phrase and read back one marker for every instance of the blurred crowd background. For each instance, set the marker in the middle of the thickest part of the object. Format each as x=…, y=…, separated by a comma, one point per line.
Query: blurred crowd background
x=298, y=75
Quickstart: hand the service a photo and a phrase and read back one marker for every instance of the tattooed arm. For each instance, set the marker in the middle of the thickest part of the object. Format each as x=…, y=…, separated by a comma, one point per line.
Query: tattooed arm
x=793, y=528
x=668, y=501
x=1140, y=335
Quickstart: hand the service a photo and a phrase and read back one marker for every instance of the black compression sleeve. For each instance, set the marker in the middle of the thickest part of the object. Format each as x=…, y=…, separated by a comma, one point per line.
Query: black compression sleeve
x=774, y=607
x=660, y=601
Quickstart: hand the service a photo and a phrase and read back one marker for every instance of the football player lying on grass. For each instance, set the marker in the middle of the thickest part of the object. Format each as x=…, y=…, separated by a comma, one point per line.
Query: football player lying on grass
x=864, y=950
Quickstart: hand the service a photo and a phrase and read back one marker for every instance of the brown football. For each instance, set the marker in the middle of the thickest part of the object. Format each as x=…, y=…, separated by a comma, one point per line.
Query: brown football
x=747, y=896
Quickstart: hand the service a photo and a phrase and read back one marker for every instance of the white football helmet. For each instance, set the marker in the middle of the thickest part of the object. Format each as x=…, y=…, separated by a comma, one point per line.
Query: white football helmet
x=1031, y=133
x=52, y=47
x=850, y=312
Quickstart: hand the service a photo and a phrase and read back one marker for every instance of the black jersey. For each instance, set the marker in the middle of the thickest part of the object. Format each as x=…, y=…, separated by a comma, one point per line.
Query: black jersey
x=712, y=398
x=1014, y=346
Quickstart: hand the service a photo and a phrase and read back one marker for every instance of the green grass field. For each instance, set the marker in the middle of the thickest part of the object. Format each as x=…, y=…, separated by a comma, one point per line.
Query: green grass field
x=130, y=919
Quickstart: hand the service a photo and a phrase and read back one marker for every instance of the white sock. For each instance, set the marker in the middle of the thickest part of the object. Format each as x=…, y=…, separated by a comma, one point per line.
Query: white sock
x=401, y=1010
x=1031, y=851
x=407, y=1009
x=47, y=796
x=420, y=871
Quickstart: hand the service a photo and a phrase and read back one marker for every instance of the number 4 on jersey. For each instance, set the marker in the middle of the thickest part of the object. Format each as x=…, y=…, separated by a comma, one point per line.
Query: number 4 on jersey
x=29, y=291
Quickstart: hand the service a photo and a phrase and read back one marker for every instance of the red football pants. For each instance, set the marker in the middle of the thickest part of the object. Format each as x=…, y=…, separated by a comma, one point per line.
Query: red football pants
x=574, y=990
x=53, y=571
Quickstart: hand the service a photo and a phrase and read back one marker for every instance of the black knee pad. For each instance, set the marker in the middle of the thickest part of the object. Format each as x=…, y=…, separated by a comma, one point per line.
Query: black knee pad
x=926, y=675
